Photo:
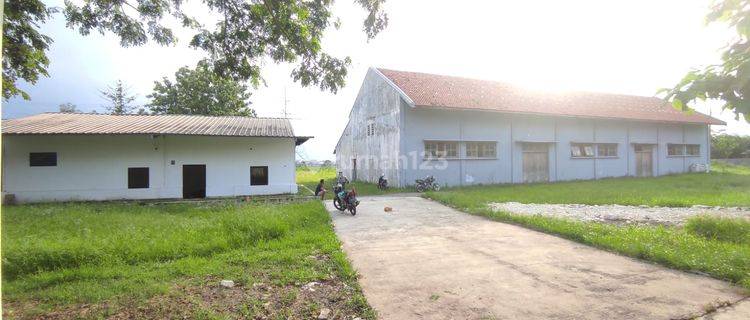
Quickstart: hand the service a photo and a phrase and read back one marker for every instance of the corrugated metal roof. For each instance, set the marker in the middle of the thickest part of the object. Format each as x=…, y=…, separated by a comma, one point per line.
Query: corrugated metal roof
x=438, y=91
x=88, y=123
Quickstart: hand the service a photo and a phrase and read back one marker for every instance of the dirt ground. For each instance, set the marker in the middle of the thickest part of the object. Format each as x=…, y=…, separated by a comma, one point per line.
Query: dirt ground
x=424, y=260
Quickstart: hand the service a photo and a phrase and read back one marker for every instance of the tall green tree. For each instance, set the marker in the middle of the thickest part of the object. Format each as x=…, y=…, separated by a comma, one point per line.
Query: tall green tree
x=200, y=91
x=119, y=99
x=247, y=33
x=728, y=81
x=724, y=146
x=24, y=47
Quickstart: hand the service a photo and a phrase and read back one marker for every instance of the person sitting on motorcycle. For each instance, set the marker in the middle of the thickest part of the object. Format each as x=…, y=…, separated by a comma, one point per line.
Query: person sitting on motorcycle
x=341, y=179
x=349, y=194
x=320, y=190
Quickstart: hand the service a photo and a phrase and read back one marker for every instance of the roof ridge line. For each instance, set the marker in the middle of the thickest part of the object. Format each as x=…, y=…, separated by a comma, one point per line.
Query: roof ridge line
x=154, y=115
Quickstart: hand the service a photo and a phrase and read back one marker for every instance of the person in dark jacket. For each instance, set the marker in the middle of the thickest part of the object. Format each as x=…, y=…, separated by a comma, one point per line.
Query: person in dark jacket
x=320, y=190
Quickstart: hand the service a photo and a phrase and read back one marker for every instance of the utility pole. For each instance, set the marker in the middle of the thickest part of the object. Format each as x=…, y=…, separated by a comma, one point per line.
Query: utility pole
x=285, y=111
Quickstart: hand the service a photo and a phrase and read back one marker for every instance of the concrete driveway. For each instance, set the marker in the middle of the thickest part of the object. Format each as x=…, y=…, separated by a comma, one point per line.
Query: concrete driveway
x=427, y=261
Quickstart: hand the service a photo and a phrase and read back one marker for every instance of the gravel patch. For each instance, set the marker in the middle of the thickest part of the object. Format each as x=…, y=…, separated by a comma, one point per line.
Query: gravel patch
x=618, y=214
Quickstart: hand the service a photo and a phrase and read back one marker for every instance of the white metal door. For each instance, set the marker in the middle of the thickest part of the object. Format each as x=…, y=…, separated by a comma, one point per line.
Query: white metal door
x=644, y=160
x=535, y=162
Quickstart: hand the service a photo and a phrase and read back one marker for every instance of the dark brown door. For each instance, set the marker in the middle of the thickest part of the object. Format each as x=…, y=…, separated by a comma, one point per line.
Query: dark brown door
x=354, y=169
x=193, y=181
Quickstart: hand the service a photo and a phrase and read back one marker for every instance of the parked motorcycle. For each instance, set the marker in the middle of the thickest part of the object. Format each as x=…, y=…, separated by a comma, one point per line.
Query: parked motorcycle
x=382, y=182
x=428, y=183
x=345, y=200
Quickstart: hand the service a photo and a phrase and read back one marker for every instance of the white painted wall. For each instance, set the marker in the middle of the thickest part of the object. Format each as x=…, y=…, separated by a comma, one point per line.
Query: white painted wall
x=377, y=153
x=508, y=129
x=402, y=130
x=95, y=167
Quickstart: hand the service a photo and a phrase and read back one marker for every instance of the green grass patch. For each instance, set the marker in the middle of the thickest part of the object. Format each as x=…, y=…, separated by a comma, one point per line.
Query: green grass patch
x=57, y=255
x=715, y=246
x=736, y=230
x=726, y=185
x=310, y=176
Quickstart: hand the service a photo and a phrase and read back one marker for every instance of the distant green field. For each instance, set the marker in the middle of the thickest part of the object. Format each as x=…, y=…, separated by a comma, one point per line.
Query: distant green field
x=310, y=176
x=122, y=256
x=725, y=185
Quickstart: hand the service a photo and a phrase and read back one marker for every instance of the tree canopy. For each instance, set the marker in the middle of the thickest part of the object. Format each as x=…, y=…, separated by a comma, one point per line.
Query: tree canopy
x=200, y=91
x=728, y=81
x=725, y=146
x=119, y=100
x=24, y=47
x=247, y=33
x=68, y=108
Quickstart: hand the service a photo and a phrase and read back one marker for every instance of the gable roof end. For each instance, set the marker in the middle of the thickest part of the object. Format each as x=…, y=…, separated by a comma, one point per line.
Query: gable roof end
x=425, y=90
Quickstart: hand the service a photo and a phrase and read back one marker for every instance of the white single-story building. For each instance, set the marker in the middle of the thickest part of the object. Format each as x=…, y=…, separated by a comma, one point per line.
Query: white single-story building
x=408, y=125
x=74, y=156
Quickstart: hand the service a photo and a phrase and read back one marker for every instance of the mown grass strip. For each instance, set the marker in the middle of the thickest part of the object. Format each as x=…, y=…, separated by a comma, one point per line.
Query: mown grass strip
x=726, y=185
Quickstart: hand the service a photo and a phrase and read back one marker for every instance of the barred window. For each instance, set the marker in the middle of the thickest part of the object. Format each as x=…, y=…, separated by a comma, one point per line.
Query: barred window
x=481, y=150
x=440, y=149
x=582, y=150
x=675, y=149
x=607, y=150
x=693, y=149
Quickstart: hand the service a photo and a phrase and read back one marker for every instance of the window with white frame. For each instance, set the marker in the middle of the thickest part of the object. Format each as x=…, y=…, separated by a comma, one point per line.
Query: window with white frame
x=693, y=149
x=606, y=150
x=582, y=150
x=674, y=149
x=481, y=149
x=440, y=149
x=679, y=150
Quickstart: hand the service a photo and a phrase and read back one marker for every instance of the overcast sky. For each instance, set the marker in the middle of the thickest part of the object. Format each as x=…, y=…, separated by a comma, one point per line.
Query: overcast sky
x=628, y=47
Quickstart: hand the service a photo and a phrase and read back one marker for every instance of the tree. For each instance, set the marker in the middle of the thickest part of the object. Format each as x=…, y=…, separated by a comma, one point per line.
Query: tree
x=68, y=108
x=24, y=47
x=200, y=91
x=248, y=32
x=118, y=98
x=725, y=146
x=730, y=80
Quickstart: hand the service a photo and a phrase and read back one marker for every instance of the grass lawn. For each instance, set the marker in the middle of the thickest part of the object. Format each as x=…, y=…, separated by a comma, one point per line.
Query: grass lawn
x=310, y=176
x=126, y=260
x=714, y=246
x=726, y=185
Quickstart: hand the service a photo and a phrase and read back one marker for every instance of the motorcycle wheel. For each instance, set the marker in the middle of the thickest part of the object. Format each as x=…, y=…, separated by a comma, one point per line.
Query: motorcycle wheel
x=353, y=210
x=436, y=187
x=338, y=205
x=420, y=188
